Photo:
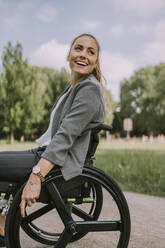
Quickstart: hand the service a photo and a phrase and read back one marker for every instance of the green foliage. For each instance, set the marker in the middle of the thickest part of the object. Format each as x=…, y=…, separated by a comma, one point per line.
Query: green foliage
x=12, y=88
x=33, y=104
x=142, y=99
x=21, y=105
x=53, y=84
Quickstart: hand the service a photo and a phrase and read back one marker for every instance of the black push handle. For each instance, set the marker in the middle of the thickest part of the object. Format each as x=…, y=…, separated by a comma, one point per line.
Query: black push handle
x=105, y=127
x=102, y=127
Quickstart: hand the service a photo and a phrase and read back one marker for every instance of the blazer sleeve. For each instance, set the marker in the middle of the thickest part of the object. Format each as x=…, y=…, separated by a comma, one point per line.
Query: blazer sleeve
x=85, y=107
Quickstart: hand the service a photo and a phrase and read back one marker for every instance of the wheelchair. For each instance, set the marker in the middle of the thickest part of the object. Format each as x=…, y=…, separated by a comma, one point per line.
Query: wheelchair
x=66, y=211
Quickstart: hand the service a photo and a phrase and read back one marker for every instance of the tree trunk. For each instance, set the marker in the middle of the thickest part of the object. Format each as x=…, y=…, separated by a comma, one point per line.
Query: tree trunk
x=12, y=137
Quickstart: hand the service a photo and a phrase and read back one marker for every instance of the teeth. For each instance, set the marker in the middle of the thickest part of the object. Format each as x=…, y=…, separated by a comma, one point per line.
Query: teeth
x=81, y=63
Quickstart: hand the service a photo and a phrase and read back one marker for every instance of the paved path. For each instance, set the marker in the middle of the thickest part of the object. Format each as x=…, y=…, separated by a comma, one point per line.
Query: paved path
x=148, y=225
x=148, y=221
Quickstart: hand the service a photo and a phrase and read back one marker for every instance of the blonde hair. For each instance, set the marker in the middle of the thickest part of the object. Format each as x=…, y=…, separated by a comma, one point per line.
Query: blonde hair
x=97, y=71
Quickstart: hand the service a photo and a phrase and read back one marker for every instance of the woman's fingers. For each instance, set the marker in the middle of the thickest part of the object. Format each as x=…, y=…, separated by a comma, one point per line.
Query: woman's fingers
x=30, y=194
x=22, y=207
x=29, y=203
x=24, y=202
x=33, y=200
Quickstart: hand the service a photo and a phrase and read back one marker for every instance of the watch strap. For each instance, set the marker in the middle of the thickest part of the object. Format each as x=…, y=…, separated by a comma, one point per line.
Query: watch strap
x=42, y=178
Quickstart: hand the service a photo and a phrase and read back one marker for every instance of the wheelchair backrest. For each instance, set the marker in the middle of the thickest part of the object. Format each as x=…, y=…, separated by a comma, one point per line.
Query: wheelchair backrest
x=94, y=139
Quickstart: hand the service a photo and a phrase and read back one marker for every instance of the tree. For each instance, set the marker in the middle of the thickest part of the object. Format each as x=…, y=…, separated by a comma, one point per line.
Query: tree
x=142, y=99
x=53, y=84
x=1, y=107
x=33, y=103
x=18, y=93
x=11, y=88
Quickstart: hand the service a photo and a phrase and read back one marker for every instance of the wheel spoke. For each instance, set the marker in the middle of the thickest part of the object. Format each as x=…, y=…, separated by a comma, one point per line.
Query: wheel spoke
x=99, y=226
x=82, y=214
x=38, y=213
x=64, y=239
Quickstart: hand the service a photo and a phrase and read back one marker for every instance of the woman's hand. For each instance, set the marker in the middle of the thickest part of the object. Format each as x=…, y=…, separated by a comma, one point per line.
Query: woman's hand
x=30, y=192
x=32, y=189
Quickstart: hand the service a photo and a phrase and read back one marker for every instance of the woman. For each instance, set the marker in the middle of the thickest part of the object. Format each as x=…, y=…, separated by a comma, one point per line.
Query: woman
x=80, y=108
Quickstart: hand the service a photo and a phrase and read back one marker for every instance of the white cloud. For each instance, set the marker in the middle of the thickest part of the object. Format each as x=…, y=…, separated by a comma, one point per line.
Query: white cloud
x=141, y=7
x=117, y=31
x=47, y=13
x=51, y=54
x=91, y=24
x=115, y=68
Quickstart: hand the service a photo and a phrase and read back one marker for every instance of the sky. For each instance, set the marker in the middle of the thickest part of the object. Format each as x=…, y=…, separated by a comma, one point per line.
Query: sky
x=131, y=33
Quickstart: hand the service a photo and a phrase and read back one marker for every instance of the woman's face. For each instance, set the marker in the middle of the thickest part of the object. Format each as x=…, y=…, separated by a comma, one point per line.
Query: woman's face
x=83, y=55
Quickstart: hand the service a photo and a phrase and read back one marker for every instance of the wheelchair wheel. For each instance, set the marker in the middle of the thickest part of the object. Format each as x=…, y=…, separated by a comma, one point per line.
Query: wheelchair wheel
x=84, y=209
x=86, y=218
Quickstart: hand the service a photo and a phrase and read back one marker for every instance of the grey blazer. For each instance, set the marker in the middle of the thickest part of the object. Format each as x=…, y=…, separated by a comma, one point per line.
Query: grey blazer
x=82, y=110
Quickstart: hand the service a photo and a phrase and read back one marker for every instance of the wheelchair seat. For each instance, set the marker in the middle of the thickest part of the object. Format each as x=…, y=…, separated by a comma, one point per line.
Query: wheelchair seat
x=22, y=166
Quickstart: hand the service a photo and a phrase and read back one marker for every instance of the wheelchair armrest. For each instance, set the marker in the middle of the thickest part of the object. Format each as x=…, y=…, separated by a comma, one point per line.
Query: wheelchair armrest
x=103, y=127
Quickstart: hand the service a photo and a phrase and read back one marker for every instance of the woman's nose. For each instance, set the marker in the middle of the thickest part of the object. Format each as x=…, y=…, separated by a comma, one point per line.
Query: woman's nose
x=83, y=54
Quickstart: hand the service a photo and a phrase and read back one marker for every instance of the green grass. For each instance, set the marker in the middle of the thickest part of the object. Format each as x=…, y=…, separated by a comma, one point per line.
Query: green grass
x=17, y=146
x=135, y=166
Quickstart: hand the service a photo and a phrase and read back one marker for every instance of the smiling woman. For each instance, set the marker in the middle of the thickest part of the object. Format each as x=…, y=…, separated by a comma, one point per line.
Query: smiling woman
x=65, y=143
x=84, y=57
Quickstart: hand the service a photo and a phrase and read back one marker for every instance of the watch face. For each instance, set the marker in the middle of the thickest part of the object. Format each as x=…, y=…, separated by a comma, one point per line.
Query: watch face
x=36, y=169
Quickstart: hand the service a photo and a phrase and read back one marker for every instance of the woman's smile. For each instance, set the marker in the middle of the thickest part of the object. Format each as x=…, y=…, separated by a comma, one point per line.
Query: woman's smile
x=81, y=63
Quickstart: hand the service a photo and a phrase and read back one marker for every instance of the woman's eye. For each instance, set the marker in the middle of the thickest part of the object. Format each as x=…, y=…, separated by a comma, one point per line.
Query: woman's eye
x=91, y=52
x=77, y=48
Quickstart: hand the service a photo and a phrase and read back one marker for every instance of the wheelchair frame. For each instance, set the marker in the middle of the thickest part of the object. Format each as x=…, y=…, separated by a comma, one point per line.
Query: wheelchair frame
x=93, y=182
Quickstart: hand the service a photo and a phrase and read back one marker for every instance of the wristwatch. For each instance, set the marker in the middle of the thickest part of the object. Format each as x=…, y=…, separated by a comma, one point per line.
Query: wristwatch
x=36, y=171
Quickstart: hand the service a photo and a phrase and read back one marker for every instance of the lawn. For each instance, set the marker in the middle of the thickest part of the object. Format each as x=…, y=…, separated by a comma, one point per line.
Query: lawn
x=136, y=166
x=17, y=146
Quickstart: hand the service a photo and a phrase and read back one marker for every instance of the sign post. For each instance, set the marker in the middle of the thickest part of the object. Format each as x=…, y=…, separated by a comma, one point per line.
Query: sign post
x=128, y=126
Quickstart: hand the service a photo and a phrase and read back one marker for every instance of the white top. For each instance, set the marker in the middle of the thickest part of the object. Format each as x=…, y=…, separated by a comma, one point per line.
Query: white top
x=45, y=139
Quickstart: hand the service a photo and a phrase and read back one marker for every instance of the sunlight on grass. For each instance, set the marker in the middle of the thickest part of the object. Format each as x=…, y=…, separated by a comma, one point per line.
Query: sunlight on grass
x=132, y=144
x=17, y=146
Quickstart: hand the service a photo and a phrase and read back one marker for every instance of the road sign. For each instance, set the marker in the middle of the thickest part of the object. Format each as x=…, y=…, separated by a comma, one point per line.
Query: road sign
x=128, y=124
